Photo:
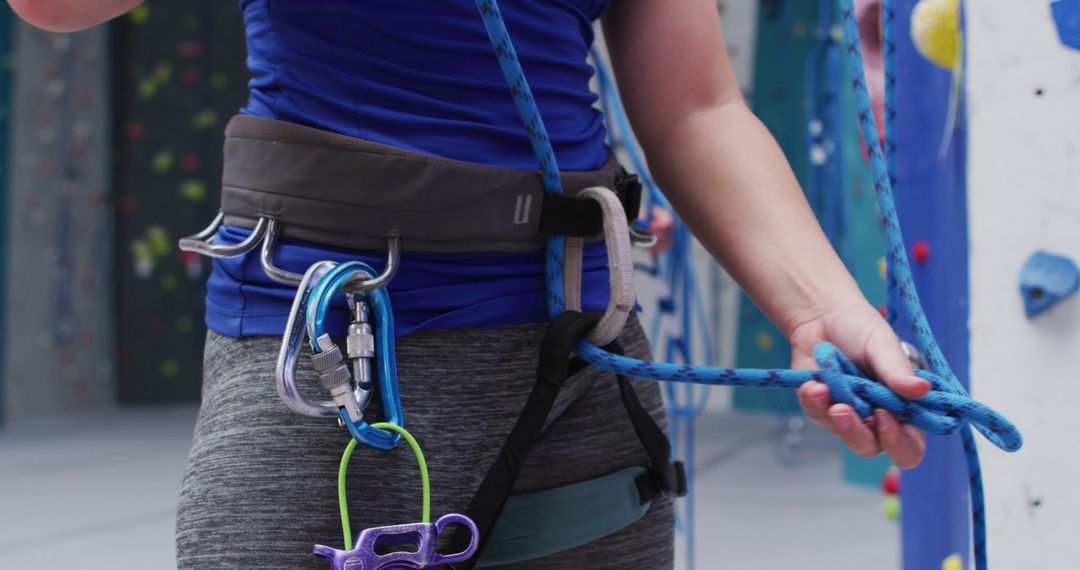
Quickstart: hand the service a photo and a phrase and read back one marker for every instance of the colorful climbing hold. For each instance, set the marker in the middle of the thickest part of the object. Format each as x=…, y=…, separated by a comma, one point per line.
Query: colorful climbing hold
x=194, y=190
x=1047, y=279
x=1067, y=19
x=892, y=507
x=140, y=14
x=169, y=368
x=204, y=120
x=890, y=483
x=764, y=340
x=161, y=162
x=158, y=239
x=920, y=252
x=952, y=562
x=135, y=130
x=935, y=29
x=189, y=162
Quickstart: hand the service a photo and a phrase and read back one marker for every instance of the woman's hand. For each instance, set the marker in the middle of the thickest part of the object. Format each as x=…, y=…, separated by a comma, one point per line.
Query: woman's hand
x=862, y=334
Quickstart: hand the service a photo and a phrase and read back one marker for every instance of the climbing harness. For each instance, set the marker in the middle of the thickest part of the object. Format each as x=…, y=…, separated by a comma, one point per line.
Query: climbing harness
x=278, y=179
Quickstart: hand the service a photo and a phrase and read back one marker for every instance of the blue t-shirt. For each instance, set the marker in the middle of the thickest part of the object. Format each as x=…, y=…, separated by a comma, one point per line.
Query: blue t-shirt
x=419, y=75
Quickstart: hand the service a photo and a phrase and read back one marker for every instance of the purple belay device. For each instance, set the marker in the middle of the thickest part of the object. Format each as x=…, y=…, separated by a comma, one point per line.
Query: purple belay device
x=424, y=536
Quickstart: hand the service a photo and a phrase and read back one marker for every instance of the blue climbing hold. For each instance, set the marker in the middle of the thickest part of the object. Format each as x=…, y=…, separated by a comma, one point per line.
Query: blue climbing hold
x=1066, y=15
x=1046, y=280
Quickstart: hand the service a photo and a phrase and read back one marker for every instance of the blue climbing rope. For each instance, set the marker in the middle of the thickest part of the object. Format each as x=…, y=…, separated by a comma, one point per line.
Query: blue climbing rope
x=900, y=285
x=679, y=303
x=945, y=410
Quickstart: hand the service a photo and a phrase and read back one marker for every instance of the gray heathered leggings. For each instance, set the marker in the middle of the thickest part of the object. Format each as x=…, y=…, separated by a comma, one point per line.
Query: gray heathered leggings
x=261, y=483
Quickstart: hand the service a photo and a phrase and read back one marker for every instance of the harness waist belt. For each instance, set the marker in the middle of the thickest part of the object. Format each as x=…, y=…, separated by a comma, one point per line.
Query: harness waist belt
x=337, y=190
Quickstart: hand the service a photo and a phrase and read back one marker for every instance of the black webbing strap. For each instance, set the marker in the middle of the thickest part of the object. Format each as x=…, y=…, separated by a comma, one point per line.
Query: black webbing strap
x=663, y=475
x=576, y=216
x=554, y=368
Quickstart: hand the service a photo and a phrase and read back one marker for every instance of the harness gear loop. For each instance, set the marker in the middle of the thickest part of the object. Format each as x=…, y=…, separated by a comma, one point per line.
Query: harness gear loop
x=201, y=242
x=266, y=258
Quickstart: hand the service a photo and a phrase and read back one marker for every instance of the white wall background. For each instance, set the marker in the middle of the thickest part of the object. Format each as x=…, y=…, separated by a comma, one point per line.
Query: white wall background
x=1024, y=195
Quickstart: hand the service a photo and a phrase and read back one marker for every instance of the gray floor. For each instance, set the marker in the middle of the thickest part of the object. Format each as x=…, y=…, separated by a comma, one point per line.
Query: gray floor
x=100, y=491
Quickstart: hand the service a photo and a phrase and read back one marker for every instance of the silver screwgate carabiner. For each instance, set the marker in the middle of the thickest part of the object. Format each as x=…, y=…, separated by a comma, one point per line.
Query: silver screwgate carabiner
x=361, y=349
x=291, y=344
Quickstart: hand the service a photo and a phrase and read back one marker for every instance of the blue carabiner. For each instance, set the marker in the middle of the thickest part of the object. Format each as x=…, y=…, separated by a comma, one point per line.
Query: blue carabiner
x=386, y=361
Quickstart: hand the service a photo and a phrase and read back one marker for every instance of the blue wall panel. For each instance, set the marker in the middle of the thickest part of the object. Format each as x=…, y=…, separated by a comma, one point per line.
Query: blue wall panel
x=932, y=205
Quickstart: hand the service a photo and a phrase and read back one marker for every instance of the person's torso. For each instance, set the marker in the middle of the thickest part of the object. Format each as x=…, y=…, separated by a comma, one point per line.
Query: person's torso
x=419, y=75
x=422, y=75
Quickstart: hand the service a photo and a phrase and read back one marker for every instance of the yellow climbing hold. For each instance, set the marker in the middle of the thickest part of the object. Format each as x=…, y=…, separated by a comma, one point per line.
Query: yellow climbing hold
x=935, y=29
x=764, y=340
x=881, y=267
x=140, y=15
x=194, y=190
x=219, y=80
x=168, y=282
x=162, y=72
x=185, y=324
x=158, y=239
x=204, y=120
x=952, y=562
x=170, y=368
x=162, y=162
x=892, y=507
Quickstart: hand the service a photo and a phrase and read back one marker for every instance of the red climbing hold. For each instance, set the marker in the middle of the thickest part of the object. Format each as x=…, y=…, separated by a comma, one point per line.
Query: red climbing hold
x=189, y=162
x=135, y=131
x=920, y=252
x=890, y=484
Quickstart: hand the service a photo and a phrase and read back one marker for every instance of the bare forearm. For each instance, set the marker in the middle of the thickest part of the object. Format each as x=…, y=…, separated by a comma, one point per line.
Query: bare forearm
x=70, y=15
x=731, y=184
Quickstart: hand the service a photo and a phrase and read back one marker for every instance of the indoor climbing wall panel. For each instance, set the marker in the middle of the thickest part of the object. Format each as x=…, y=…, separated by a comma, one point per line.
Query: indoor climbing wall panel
x=784, y=42
x=1024, y=197
x=180, y=76
x=931, y=195
x=6, y=31
x=799, y=94
x=58, y=294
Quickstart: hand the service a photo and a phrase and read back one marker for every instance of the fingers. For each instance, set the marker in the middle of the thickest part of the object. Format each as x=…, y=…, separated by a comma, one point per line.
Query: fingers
x=661, y=226
x=840, y=419
x=904, y=444
x=889, y=364
x=859, y=438
x=815, y=401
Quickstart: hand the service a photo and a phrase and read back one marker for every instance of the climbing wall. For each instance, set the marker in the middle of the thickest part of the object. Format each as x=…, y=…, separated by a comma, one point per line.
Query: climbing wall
x=181, y=76
x=58, y=294
x=798, y=95
x=1023, y=196
x=931, y=204
x=6, y=65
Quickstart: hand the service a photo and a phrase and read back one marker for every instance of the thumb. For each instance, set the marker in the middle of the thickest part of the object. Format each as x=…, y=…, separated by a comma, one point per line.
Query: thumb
x=889, y=364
